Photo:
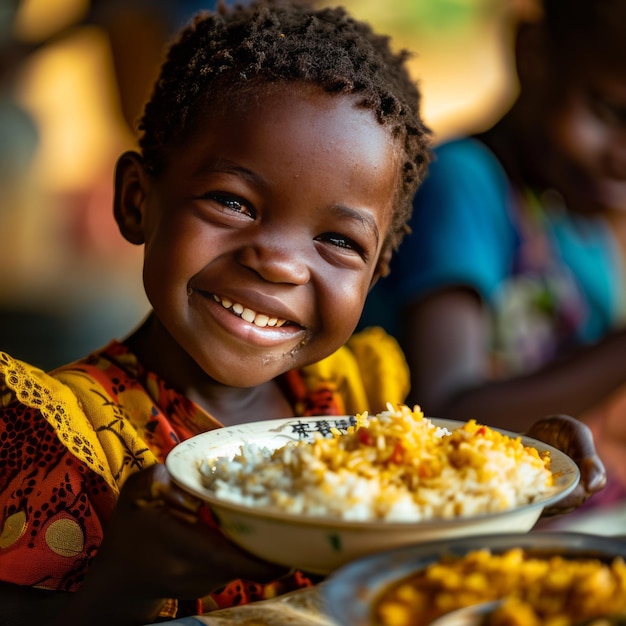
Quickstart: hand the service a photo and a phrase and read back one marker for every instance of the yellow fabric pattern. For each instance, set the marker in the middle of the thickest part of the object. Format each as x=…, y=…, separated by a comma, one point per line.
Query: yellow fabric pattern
x=382, y=366
x=58, y=404
x=97, y=432
x=119, y=428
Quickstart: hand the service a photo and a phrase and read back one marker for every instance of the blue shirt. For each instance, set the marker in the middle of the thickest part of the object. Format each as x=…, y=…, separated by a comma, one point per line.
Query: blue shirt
x=551, y=279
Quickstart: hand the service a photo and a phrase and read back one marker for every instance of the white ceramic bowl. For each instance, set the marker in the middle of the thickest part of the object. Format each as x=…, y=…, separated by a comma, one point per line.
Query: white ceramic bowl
x=321, y=544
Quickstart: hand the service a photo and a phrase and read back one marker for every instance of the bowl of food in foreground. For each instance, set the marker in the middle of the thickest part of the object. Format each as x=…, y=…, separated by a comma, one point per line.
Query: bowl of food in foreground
x=316, y=492
x=547, y=578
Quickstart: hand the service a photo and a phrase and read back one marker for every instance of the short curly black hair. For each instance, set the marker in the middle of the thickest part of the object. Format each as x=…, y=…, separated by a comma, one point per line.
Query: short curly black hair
x=270, y=41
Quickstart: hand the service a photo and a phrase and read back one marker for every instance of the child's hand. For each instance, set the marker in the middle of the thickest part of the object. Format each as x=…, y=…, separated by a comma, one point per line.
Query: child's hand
x=575, y=439
x=155, y=547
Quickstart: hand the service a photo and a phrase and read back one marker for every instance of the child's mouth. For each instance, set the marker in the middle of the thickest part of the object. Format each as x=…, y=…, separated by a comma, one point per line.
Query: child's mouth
x=258, y=319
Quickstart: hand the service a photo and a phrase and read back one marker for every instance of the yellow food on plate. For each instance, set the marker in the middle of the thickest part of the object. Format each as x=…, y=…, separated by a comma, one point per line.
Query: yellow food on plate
x=537, y=590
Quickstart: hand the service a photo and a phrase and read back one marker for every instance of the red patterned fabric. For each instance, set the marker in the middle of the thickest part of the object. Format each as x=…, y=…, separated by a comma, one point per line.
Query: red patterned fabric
x=68, y=441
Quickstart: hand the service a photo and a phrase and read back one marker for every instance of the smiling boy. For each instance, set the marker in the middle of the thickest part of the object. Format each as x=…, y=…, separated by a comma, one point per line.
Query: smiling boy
x=262, y=238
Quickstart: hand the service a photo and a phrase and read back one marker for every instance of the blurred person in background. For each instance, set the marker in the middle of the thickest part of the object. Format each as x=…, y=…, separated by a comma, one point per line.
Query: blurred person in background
x=508, y=296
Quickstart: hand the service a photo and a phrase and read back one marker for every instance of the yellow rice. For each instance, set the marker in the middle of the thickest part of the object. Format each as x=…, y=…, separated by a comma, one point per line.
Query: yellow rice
x=394, y=466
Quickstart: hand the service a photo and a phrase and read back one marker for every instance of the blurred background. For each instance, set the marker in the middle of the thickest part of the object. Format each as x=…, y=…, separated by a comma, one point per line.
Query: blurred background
x=73, y=77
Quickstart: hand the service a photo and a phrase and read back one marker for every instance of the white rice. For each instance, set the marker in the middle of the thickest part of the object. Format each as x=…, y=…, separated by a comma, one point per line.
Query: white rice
x=396, y=466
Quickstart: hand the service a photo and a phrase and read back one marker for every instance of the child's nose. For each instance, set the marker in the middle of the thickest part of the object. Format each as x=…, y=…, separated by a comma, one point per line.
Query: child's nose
x=276, y=260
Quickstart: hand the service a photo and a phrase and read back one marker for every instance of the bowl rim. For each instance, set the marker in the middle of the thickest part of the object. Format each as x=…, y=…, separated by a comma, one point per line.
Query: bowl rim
x=180, y=464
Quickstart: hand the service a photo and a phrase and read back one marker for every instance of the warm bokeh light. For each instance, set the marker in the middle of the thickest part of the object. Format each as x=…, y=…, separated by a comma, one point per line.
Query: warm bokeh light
x=461, y=55
x=38, y=19
x=69, y=91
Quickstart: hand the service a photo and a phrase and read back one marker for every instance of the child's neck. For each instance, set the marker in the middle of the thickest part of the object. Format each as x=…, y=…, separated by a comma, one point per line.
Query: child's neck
x=229, y=405
x=246, y=405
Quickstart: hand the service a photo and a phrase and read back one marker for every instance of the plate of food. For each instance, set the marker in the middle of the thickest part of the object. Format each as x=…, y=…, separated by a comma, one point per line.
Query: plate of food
x=526, y=579
x=316, y=492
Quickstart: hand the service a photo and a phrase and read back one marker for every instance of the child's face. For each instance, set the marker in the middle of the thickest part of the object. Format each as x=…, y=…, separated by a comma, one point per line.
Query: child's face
x=278, y=209
x=587, y=131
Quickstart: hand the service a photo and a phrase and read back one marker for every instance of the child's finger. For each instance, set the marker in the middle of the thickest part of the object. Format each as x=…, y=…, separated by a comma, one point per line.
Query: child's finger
x=155, y=489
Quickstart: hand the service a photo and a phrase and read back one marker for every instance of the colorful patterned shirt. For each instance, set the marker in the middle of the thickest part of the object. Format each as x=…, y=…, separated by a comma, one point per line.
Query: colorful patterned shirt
x=71, y=437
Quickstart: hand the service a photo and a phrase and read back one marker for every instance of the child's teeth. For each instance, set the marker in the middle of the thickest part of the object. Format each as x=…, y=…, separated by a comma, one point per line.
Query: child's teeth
x=261, y=320
x=248, y=315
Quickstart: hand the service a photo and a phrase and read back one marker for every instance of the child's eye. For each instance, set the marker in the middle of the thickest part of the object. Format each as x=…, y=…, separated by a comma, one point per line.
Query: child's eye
x=341, y=241
x=231, y=203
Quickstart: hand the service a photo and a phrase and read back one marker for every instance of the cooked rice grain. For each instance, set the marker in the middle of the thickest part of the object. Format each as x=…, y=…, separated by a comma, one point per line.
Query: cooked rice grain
x=394, y=466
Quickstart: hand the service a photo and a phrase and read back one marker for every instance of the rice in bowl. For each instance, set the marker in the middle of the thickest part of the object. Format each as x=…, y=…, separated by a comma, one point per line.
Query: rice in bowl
x=396, y=466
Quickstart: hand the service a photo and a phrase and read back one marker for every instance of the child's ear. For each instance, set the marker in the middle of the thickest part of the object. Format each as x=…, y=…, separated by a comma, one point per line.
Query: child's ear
x=382, y=267
x=131, y=188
